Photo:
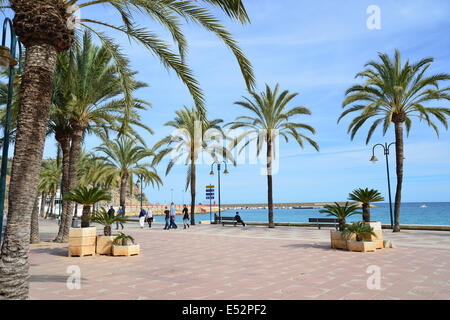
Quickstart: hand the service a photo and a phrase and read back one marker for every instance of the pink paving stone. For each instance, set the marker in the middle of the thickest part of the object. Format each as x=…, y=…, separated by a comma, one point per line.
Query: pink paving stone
x=215, y=262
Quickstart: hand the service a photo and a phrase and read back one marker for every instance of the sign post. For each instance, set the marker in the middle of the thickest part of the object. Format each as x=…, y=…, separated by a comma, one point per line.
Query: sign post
x=210, y=196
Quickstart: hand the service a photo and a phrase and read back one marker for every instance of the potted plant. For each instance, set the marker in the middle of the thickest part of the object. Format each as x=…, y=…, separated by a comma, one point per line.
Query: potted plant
x=365, y=197
x=359, y=230
x=341, y=213
x=122, y=246
x=82, y=240
x=105, y=241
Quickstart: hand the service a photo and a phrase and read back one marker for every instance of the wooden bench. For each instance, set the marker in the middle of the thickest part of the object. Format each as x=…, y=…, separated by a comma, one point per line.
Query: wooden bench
x=325, y=222
x=228, y=220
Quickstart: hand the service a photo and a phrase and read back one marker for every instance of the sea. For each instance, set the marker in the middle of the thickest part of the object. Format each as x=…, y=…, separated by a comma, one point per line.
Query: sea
x=429, y=213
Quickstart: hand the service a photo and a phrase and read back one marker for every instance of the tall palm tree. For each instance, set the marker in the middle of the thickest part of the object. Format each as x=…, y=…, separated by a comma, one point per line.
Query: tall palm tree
x=395, y=93
x=365, y=196
x=123, y=159
x=50, y=179
x=44, y=29
x=87, y=197
x=87, y=99
x=270, y=117
x=195, y=134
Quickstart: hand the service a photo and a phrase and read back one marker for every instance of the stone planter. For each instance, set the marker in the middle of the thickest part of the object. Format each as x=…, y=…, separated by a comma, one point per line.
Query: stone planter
x=129, y=250
x=376, y=226
x=104, y=244
x=337, y=241
x=361, y=246
x=82, y=241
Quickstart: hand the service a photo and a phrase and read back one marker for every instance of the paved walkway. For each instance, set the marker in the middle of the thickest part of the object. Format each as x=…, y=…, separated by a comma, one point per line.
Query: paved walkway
x=215, y=262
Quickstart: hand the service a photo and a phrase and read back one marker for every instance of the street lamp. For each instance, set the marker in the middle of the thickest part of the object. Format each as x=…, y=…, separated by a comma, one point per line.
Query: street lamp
x=7, y=60
x=374, y=159
x=141, y=178
x=218, y=179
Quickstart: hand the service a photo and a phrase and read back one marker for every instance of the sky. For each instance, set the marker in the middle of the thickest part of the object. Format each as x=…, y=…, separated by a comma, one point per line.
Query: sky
x=314, y=48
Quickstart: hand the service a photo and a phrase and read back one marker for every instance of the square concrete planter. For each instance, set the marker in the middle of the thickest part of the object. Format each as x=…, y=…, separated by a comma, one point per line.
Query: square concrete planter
x=104, y=244
x=361, y=246
x=337, y=241
x=129, y=250
x=82, y=241
x=376, y=226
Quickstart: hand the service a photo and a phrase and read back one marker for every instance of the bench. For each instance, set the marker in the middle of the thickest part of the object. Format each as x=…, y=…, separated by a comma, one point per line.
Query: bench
x=228, y=220
x=325, y=222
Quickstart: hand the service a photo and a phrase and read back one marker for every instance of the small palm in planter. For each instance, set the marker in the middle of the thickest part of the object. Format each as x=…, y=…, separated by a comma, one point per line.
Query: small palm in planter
x=360, y=230
x=87, y=197
x=341, y=213
x=367, y=196
x=122, y=247
x=105, y=242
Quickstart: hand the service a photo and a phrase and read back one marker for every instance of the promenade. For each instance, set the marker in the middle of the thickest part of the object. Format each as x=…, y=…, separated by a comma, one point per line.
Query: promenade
x=215, y=262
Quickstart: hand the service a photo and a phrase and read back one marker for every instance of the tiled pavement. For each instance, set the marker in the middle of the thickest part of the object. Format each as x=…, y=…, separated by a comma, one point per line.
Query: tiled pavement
x=215, y=262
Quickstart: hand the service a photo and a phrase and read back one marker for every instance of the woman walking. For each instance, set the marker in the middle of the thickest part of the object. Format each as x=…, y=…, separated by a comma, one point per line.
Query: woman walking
x=142, y=216
x=185, y=217
x=149, y=217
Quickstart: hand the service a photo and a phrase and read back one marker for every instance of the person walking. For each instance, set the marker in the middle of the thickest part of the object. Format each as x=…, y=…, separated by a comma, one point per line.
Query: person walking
x=167, y=217
x=185, y=217
x=119, y=213
x=111, y=212
x=142, y=216
x=237, y=217
x=172, y=216
x=149, y=217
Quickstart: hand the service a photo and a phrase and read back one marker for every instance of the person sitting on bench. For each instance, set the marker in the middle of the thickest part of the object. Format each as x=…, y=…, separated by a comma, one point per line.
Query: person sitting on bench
x=237, y=217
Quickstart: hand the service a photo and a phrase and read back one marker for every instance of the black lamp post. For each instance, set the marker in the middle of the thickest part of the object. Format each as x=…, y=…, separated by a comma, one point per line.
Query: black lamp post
x=218, y=179
x=7, y=61
x=140, y=180
x=374, y=159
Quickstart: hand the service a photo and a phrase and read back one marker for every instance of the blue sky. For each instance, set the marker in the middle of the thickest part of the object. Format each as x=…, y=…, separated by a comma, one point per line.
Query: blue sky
x=314, y=48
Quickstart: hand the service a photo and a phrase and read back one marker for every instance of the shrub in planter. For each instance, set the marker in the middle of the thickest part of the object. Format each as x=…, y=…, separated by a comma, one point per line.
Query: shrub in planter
x=123, y=245
x=105, y=241
x=359, y=230
x=341, y=213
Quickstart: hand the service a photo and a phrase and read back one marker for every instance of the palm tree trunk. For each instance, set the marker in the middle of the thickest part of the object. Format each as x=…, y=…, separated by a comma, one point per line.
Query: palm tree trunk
x=269, y=182
x=43, y=198
x=50, y=207
x=193, y=178
x=66, y=214
x=366, y=212
x=34, y=236
x=85, y=216
x=123, y=190
x=399, y=166
x=75, y=150
x=36, y=91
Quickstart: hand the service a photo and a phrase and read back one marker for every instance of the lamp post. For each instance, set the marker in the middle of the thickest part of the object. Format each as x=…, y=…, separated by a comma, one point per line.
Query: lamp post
x=218, y=179
x=7, y=60
x=140, y=180
x=374, y=159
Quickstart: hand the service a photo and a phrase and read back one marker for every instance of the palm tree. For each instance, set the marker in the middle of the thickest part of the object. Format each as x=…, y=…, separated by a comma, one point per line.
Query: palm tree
x=194, y=135
x=395, y=93
x=89, y=102
x=50, y=180
x=365, y=196
x=122, y=159
x=43, y=28
x=341, y=212
x=271, y=117
x=102, y=217
x=87, y=197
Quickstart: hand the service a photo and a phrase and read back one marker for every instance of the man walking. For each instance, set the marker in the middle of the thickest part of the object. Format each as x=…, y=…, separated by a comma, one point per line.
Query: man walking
x=142, y=216
x=172, y=216
x=111, y=212
x=167, y=217
x=149, y=217
x=119, y=213
x=185, y=217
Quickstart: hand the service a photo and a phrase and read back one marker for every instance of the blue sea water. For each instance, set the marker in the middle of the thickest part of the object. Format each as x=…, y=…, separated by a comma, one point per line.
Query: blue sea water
x=435, y=213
